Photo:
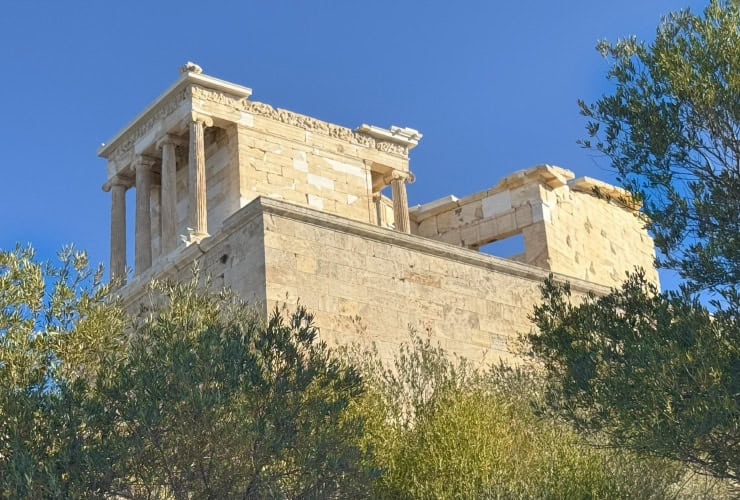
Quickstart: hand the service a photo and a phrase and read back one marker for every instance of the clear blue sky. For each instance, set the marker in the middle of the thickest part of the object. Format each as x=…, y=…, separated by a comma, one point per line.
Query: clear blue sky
x=492, y=85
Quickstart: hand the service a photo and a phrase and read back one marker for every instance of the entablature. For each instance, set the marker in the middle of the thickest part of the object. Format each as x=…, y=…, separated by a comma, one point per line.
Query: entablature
x=227, y=104
x=166, y=114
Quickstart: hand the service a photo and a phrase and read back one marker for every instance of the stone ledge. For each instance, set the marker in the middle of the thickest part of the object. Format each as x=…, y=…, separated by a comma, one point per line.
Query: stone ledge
x=605, y=191
x=262, y=205
x=432, y=208
x=413, y=242
x=185, y=79
x=543, y=174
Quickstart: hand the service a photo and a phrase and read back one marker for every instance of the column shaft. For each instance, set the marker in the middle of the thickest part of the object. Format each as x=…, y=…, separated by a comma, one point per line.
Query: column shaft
x=400, y=204
x=198, y=218
x=168, y=199
x=143, y=246
x=378, y=203
x=118, y=230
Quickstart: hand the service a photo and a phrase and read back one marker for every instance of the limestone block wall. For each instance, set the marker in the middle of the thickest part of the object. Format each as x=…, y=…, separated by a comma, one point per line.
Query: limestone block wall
x=222, y=174
x=365, y=283
x=291, y=164
x=296, y=158
x=594, y=239
x=565, y=226
x=372, y=284
x=232, y=258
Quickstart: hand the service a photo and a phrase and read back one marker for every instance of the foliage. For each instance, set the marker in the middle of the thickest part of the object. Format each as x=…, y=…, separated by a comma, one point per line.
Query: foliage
x=672, y=131
x=658, y=373
x=201, y=397
x=214, y=402
x=442, y=429
x=56, y=329
x=653, y=372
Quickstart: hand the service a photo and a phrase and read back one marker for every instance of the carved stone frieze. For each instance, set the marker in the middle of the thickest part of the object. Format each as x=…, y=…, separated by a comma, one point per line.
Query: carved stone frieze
x=160, y=112
x=257, y=108
x=215, y=96
x=390, y=147
x=322, y=127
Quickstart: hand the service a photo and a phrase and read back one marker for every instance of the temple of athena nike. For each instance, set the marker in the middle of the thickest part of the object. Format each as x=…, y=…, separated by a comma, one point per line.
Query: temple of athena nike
x=283, y=207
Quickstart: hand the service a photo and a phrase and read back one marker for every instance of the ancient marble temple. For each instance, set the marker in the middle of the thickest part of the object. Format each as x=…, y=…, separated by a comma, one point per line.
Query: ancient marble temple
x=283, y=207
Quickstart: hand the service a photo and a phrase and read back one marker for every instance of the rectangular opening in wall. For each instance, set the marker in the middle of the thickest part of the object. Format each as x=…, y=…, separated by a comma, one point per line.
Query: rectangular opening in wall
x=508, y=248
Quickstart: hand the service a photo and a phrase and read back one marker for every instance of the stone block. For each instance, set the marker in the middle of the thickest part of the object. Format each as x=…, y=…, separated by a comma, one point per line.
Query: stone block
x=320, y=182
x=315, y=201
x=523, y=216
x=506, y=224
x=427, y=227
x=496, y=204
x=306, y=264
x=470, y=236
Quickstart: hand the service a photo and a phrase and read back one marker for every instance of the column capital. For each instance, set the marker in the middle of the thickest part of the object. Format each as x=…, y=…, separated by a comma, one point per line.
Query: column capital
x=400, y=175
x=171, y=139
x=206, y=120
x=144, y=161
x=118, y=180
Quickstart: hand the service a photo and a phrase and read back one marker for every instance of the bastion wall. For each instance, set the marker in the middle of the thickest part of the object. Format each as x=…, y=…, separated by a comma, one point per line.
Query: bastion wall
x=364, y=283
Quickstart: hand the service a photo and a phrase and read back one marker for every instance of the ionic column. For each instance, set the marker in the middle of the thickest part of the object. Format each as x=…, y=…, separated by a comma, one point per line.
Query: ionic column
x=118, y=229
x=400, y=201
x=198, y=215
x=377, y=201
x=168, y=196
x=143, y=240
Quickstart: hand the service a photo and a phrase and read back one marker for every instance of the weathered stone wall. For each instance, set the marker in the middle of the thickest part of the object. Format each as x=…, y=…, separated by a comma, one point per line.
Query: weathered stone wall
x=296, y=158
x=366, y=283
x=222, y=174
x=295, y=165
x=373, y=284
x=233, y=258
x=595, y=239
x=566, y=226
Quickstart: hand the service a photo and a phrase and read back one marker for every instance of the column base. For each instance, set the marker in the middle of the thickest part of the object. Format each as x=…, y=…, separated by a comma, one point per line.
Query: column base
x=193, y=236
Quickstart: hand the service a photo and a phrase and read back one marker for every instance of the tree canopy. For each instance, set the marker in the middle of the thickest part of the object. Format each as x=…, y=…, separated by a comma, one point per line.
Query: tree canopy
x=199, y=396
x=443, y=428
x=671, y=129
x=214, y=401
x=57, y=329
x=655, y=372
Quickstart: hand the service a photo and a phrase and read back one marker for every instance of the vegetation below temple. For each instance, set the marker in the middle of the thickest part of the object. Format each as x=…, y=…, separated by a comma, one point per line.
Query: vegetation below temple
x=198, y=395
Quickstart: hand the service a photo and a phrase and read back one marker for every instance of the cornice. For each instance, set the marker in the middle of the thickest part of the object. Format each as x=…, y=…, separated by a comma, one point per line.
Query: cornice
x=358, y=136
x=264, y=206
x=413, y=242
x=189, y=84
x=192, y=84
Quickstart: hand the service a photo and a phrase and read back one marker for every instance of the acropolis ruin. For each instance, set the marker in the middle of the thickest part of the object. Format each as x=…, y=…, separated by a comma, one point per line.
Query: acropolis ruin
x=283, y=207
